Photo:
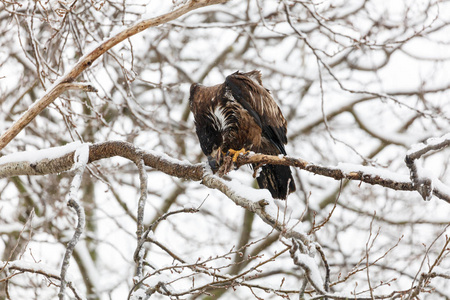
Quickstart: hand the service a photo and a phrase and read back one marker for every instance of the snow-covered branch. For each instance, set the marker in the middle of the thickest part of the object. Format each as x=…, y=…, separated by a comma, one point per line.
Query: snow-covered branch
x=425, y=184
x=301, y=257
x=39, y=164
x=61, y=159
x=370, y=175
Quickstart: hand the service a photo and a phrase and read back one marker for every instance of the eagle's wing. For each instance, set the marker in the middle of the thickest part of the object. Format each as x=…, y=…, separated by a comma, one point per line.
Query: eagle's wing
x=247, y=90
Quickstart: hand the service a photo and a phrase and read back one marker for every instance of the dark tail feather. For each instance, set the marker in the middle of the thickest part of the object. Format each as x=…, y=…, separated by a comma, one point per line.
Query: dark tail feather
x=277, y=179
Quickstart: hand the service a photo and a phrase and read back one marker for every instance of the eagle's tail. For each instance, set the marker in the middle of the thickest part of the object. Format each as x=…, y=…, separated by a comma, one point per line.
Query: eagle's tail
x=277, y=179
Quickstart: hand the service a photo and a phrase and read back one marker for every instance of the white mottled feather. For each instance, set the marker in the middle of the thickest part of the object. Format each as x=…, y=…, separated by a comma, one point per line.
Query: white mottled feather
x=219, y=115
x=229, y=95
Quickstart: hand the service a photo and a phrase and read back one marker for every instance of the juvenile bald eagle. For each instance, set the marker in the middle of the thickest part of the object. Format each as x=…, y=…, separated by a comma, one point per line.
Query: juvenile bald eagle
x=241, y=114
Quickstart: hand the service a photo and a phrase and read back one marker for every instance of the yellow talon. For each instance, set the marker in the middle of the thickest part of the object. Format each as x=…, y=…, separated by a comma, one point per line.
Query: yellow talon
x=235, y=153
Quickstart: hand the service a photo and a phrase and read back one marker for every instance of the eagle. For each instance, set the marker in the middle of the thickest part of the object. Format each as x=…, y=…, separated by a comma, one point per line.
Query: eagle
x=241, y=115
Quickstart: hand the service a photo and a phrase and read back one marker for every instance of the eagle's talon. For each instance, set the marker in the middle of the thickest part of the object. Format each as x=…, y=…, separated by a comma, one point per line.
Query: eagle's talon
x=235, y=153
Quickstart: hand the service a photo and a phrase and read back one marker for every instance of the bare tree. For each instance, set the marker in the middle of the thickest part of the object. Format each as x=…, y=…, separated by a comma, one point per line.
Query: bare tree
x=105, y=193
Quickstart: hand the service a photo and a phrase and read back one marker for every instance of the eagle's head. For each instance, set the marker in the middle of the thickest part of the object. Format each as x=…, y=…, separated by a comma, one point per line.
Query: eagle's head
x=206, y=123
x=192, y=91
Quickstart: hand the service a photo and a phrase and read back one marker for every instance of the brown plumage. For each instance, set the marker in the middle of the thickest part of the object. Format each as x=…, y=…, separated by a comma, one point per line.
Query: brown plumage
x=241, y=113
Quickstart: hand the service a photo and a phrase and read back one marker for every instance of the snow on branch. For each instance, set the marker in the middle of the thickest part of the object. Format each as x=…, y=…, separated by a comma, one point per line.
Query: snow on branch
x=61, y=159
x=426, y=184
x=71, y=246
x=370, y=175
x=365, y=174
x=261, y=207
x=12, y=165
x=39, y=162
x=301, y=258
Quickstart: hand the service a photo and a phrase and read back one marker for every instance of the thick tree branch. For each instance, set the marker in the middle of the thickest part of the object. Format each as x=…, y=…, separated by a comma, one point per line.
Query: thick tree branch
x=159, y=161
x=196, y=172
x=347, y=171
x=358, y=173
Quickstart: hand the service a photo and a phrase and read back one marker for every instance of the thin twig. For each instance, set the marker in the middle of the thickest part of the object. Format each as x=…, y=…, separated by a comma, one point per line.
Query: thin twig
x=76, y=236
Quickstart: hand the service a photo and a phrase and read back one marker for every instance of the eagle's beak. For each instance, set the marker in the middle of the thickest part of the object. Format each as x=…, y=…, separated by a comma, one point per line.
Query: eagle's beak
x=213, y=163
x=215, y=159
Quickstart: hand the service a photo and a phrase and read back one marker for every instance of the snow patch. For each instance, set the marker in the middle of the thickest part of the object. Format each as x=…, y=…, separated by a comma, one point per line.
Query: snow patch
x=34, y=267
x=169, y=159
x=373, y=172
x=139, y=294
x=439, y=185
x=430, y=142
x=247, y=192
x=190, y=206
x=34, y=156
x=309, y=263
x=81, y=156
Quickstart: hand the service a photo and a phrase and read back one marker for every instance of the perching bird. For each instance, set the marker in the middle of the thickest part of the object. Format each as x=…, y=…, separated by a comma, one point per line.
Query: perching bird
x=240, y=114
